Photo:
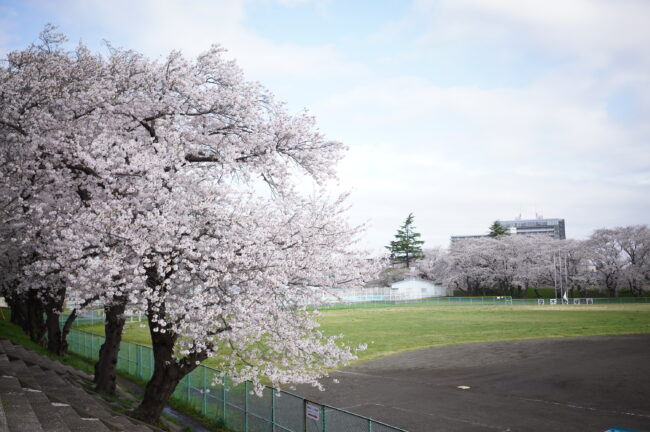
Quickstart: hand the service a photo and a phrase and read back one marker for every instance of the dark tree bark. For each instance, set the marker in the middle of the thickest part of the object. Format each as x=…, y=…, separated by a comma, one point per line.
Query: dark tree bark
x=19, y=314
x=57, y=336
x=27, y=312
x=167, y=371
x=106, y=366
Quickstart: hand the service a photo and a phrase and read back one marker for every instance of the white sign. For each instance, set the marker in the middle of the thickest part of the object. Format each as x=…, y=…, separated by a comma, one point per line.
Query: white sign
x=576, y=301
x=313, y=411
x=553, y=301
x=540, y=301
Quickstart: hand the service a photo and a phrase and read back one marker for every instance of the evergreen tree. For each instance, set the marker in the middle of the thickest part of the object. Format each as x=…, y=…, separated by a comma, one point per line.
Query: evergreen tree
x=406, y=247
x=497, y=230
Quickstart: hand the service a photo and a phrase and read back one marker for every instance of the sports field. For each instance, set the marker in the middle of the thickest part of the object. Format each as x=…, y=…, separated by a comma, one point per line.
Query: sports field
x=393, y=330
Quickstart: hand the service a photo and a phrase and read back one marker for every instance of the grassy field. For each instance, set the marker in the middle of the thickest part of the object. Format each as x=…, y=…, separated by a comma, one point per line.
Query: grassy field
x=393, y=330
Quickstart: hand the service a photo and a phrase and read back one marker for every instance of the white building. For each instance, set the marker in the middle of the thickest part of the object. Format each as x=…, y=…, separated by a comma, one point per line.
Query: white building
x=416, y=289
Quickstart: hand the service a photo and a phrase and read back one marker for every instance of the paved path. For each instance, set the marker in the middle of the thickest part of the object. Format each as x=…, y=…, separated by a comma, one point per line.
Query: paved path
x=582, y=384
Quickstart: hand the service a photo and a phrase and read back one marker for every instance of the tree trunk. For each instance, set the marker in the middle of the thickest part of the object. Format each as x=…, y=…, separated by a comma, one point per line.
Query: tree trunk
x=106, y=366
x=57, y=337
x=19, y=313
x=35, y=312
x=167, y=371
x=166, y=375
x=158, y=391
x=27, y=312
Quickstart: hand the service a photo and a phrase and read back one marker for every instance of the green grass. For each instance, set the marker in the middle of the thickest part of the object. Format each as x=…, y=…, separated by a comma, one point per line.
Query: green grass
x=16, y=335
x=392, y=330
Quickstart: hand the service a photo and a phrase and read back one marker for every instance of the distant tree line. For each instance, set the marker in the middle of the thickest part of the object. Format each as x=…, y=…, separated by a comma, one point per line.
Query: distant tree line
x=610, y=260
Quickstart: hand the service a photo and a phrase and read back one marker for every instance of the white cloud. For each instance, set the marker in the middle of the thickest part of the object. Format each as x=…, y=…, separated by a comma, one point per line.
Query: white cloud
x=156, y=27
x=461, y=155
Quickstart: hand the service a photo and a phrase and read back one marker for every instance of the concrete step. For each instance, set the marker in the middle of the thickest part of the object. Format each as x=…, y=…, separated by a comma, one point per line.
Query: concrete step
x=19, y=413
x=36, y=371
x=7, y=346
x=51, y=380
x=47, y=414
x=4, y=427
x=30, y=382
x=5, y=368
x=55, y=394
x=15, y=367
x=77, y=423
x=9, y=384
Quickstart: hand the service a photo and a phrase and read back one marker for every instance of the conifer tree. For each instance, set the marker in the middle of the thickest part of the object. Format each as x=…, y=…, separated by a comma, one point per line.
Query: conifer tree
x=497, y=230
x=406, y=247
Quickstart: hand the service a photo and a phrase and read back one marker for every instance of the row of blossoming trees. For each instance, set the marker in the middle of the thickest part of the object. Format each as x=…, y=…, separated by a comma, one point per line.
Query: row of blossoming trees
x=168, y=186
x=611, y=259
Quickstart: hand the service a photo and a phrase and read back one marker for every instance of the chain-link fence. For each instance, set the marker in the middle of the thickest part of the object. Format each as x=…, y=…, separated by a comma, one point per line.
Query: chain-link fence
x=274, y=411
x=478, y=301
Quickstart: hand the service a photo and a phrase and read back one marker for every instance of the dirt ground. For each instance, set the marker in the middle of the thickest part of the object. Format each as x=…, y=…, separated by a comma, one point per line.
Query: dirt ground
x=581, y=384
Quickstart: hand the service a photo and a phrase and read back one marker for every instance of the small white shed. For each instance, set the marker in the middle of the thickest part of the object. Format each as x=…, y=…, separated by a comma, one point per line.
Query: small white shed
x=416, y=288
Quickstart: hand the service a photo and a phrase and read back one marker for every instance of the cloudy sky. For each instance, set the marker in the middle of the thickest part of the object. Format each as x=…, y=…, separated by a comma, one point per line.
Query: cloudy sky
x=460, y=111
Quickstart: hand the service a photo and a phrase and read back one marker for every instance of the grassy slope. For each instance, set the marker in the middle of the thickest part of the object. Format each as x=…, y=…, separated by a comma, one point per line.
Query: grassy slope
x=16, y=335
x=392, y=330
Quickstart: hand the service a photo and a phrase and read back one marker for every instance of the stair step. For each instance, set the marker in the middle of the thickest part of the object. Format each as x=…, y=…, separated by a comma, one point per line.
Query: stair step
x=48, y=414
x=3, y=419
x=19, y=413
x=7, y=346
x=50, y=381
x=141, y=428
x=30, y=382
x=52, y=397
x=17, y=367
x=5, y=368
x=77, y=423
x=36, y=371
x=9, y=384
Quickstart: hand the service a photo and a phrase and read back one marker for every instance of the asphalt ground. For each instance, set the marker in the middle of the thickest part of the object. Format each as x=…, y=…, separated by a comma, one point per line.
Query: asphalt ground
x=569, y=384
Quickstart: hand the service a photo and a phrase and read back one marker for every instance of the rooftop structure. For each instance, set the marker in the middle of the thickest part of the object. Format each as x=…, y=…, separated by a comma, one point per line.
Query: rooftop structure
x=552, y=227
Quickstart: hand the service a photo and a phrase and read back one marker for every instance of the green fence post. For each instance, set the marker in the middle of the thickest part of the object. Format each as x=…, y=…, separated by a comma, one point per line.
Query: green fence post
x=223, y=389
x=138, y=360
x=369, y=425
x=245, y=406
x=188, y=378
x=205, y=393
x=322, y=413
x=273, y=409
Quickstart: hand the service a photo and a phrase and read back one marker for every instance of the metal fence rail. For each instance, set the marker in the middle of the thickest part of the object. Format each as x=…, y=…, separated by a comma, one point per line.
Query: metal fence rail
x=475, y=301
x=274, y=411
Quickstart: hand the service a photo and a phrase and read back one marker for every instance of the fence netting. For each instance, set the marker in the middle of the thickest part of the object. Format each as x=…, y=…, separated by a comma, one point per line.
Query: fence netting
x=236, y=405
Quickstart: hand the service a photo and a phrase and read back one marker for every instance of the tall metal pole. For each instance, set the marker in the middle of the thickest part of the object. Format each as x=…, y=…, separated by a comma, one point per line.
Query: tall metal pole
x=566, y=275
x=554, y=276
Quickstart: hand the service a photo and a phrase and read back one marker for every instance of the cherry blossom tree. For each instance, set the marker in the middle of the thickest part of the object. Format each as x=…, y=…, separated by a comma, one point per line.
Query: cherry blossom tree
x=435, y=264
x=144, y=189
x=46, y=112
x=605, y=253
x=621, y=257
x=635, y=247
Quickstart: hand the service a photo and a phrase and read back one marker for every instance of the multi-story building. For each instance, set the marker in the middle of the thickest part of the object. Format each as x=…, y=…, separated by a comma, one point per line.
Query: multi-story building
x=549, y=227
x=552, y=227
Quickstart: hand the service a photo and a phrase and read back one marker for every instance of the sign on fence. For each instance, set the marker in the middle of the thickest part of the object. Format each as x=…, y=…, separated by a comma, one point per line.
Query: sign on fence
x=312, y=411
x=553, y=301
x=540, y=301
